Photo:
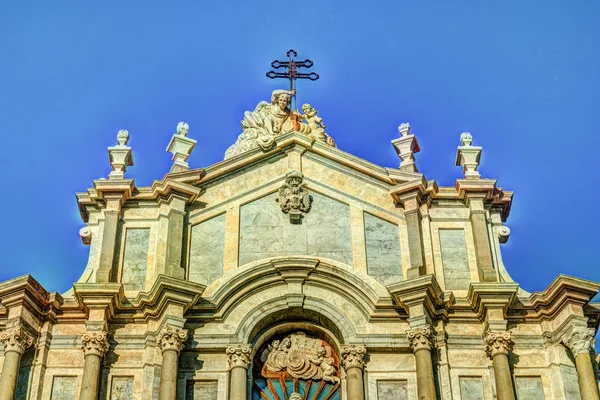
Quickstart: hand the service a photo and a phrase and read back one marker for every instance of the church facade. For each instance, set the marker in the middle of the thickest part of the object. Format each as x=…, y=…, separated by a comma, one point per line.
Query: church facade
x=294, y=270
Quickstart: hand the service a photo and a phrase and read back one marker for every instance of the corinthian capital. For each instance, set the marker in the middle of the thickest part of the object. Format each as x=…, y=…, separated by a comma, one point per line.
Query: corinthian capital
x=353, y=356
x=497, y=343
x=171, y=338
x=579, y=340
x=238, y=355
x=95, y=343
x=420, y=338
x=16, y=339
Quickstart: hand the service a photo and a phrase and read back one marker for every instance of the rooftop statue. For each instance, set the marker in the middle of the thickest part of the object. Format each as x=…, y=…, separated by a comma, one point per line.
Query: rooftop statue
x=267, y=121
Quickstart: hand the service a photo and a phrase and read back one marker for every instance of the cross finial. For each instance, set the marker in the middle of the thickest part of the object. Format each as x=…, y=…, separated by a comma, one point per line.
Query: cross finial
x=292, y=73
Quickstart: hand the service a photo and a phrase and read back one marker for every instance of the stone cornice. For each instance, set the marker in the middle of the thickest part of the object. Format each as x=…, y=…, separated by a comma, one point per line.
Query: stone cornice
x=107, y=297
x=484, y=296
x=422, y=292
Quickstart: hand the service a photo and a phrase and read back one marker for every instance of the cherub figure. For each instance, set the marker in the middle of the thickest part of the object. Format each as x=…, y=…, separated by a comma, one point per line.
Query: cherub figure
x=317, y=127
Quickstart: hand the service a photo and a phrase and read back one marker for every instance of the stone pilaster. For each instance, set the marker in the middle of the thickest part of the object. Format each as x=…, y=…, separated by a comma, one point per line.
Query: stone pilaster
x=170, y=341
x=353, y=361
x=497, y=346
x=239, y=360
x=94, y=346
x=15, y=342
x=579, y=340
x=420, y=340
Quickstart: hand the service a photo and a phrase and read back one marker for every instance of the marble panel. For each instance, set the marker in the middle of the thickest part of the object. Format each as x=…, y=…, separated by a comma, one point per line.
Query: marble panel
x=207, y=250
x=64, y=388
x=265, y=231
x=384, y=257
x=392, y=390
x=571, y=382
x=202, y=390
x=529, y=388
x=471, y=388
x=457, y=275
x=121, y=388
x=135, y=259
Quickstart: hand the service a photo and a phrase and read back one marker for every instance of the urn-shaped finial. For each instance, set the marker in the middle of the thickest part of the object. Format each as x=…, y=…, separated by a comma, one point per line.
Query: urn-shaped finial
x=466, y=139
x=120, y=156
x=123, y=137
x=468, y=156
x=181, y=147
x=183, y=128
x=404, y=129
x=406, y=146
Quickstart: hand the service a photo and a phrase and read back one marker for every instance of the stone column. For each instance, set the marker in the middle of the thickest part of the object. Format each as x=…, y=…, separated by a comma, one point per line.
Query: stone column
x=481, y=237
x=95, y=345
x=579, y=341
x=171, y=341
x=420, y=343
x=353, y=361
x=497, y=345
x=411, y=202
x=15, y=342
x=239, y=361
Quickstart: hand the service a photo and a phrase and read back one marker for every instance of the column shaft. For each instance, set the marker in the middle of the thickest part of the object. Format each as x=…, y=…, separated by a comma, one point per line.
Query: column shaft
x=354, y=384
x=485, y=265
x=425, y=380
x=109, y=238
x=168, y=375
x=415, y=244
x=91, y=377
x=10, y=373
x=238, y=384
x=502, y=375
x=587, y=380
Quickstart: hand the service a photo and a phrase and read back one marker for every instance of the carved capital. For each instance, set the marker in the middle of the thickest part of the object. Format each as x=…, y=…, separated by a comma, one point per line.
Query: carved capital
x=16, y=339
x=420, y=338
x=172, y=338
x=238, y=355
x=579, y=340
x=353, y=356
x=95, y=343
x=497, y=343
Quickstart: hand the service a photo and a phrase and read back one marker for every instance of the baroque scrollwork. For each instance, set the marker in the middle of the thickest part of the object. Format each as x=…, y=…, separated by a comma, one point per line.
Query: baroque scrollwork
x=16, y=339
x=94, y=343
x=300, y=357
x=420, y=338
x=353, y=356
x=497, y=343
x=171, y=338
x=579, y=340
x=238, y=355
x=294, y=199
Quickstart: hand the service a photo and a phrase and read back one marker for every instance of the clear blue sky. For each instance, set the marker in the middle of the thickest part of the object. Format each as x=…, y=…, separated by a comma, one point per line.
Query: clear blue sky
x=521, y=76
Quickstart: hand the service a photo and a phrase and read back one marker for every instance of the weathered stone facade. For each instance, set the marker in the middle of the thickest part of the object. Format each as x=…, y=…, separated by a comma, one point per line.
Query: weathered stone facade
x=368, y=283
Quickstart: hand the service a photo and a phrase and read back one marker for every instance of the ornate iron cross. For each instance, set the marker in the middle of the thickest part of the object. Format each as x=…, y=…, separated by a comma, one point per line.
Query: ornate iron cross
x=292, y=73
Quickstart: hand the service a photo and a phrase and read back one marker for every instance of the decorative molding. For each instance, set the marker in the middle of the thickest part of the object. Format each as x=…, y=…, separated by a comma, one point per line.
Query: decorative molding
x=579, y=339
x=497, y=343
x=420, y=338
x=294, y=199
x=353, y=356
x=171, y=338
x=238, y=355
x=16, y=339
x=94, y=343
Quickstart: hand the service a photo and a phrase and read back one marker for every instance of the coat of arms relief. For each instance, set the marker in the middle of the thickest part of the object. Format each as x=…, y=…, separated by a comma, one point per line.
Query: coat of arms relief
x=293, y=197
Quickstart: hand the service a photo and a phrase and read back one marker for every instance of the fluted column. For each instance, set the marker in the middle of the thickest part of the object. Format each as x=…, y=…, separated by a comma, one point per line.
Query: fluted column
x=497, y=345
x=170, y=341
x=420, y=343
x=579, y=341
x=353, y=361
x=95, y=345
x=15, y=342
x=239, y=361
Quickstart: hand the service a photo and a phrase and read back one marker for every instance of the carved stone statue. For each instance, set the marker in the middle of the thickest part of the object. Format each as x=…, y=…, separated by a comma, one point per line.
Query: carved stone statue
x=294, y=199
x=298, y=356
x=316, y=125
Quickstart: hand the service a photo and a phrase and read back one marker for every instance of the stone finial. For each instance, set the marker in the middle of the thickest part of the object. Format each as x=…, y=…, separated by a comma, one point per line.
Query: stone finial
x=238, y=356
x=497, y=343
x=16, y=339
x=181, y=147
x=579, y=340
x=353, y=356
x=406, y=146
x=120, y=156
x=468, y=156
x=420, y=338
x=171, y=338
x=95, y=343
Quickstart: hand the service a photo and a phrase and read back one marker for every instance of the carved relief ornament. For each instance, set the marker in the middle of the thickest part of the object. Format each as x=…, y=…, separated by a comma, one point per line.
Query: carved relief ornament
x=238, y=355
x=16, y=339
x=294, y=199
x=172, y=338
x=353, y=356
x=95, y=343
x=497, y=343
x=420, y=338
x=579, y=340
